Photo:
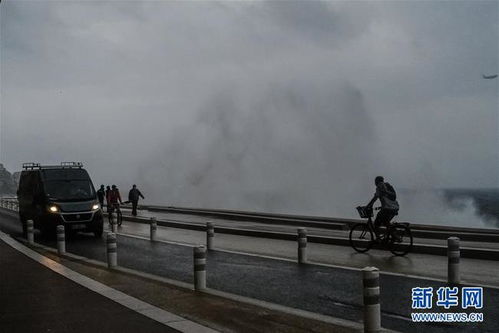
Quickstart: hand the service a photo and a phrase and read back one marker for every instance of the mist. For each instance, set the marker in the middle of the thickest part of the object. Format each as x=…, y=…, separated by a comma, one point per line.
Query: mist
x=290, y=107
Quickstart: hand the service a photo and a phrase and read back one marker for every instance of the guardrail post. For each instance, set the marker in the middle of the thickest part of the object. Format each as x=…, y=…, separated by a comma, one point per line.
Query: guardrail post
x=199, y=268
x=112, y=255
x=210, y=234
x=302, y=245
x=453, y=255
x=154, y=227
x=372, y=309
x=30, y=231
x=61, y=240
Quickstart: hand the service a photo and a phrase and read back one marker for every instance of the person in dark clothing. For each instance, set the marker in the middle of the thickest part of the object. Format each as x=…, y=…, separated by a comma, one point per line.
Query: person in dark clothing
x=101, y=193
x=133, y=197
x=108, y=189
x=389, y=205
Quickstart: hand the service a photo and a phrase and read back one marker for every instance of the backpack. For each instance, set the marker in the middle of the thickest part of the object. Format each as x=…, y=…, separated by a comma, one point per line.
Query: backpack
x=392, y=195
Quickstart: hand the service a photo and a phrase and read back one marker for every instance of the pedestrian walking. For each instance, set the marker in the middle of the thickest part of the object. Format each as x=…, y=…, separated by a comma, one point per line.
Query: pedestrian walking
x=101, y=193
x=133, y=197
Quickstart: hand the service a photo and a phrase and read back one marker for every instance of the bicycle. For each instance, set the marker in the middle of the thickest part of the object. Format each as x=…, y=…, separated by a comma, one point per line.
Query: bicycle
x=119, y=215
x=397, y=237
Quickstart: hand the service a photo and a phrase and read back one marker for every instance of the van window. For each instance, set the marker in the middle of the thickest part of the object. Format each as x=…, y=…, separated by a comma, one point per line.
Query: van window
x=69, y=189
x=65, y=174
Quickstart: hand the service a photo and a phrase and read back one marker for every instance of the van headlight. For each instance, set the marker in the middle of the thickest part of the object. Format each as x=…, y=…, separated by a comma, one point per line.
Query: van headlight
x=95, y=207
x=53, y=209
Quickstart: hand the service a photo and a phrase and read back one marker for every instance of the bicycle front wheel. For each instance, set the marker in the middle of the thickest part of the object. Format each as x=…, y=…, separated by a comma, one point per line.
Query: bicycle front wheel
x=400, y=239
x=361, y=238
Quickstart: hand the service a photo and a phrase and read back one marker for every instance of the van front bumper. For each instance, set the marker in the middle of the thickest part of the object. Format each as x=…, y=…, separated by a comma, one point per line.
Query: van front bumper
x=82, y=221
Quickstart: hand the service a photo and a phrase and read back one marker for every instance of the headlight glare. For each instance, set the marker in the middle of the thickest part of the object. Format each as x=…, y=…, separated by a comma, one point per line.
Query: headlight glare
x=53, y=209
x=95, y=207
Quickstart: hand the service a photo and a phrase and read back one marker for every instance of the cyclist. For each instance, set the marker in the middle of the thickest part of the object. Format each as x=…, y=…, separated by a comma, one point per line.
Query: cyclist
x=114, y=199
x=389, y=205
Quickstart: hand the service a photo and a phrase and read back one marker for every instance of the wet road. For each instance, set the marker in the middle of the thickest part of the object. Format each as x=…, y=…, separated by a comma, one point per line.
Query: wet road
x=330, y=291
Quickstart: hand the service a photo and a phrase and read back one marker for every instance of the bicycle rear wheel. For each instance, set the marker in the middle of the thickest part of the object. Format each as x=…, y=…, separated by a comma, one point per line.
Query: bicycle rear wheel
x=400, y=239
x=110, y=218
x=119, y=217
x=361, y=238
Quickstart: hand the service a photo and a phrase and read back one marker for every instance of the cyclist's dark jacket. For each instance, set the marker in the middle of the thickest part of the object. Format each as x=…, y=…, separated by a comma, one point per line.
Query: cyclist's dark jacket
x=386, y=197
x=114, y=196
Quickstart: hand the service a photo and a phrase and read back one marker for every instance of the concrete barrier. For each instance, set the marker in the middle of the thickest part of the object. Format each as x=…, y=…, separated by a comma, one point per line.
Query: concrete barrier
x=210, y=234
x=302, y=245
x=30, y=231
x=153, y=229
x=61, y=240
x=372, y=308
x=453, y=258
x=112, y=250
x=199, y=268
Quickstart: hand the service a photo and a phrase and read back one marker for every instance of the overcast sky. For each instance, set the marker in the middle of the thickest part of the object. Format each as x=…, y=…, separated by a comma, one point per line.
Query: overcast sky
x=278, y=105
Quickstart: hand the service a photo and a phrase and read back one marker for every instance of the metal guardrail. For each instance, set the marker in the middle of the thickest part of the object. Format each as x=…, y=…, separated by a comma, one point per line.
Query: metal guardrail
x=477, y=235
x=418, y=230
x=441, y=250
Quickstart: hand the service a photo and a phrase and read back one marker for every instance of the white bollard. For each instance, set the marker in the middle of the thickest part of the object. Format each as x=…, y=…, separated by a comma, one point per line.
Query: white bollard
x=154, y=227
x=302, y=245
x=199, y=268
x=372, y=309
x=112, y=248
x=31, y=229
x=453, y=255
x=210, y=234
x=61, y=240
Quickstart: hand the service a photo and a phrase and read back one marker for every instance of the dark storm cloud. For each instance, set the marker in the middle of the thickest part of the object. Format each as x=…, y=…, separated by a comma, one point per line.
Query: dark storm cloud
x=284, y=106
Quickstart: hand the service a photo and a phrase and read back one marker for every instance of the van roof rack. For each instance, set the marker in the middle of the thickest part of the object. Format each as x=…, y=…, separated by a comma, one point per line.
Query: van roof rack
x=30, y=166
x=63, y=165
x=71, y=165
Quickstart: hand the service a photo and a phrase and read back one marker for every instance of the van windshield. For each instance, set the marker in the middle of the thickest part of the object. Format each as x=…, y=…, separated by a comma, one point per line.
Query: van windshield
x=69, y=190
